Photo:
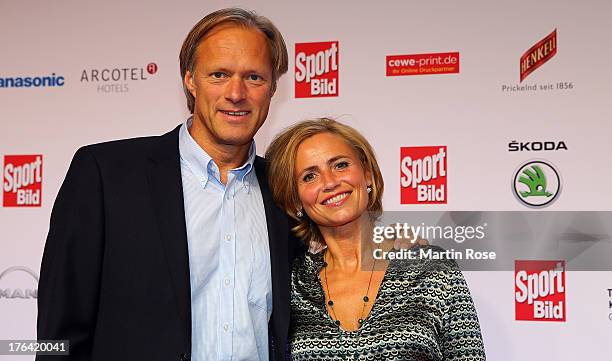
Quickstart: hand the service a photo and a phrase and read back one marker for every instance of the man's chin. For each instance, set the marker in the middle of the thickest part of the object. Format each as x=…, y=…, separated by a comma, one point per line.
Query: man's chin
x=237, y=141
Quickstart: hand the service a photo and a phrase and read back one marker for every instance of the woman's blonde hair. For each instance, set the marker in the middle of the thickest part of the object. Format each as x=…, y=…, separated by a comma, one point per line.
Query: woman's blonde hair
x=281, y=155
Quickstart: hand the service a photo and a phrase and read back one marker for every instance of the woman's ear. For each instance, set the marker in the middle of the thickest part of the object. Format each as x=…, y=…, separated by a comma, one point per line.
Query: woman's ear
x=368, y=177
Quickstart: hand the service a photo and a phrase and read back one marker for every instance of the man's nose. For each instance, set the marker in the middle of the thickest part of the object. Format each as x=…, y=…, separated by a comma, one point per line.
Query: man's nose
x=235, y=90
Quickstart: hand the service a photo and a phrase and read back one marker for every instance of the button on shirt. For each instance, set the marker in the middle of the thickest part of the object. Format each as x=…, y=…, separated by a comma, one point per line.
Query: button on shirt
x=229, y=257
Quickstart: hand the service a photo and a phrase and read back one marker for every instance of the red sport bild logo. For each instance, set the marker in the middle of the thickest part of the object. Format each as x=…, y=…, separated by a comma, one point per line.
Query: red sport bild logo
x=423, y=64
x=539, y=290
x=22, y=180
x=423, y=175
x=316, y=69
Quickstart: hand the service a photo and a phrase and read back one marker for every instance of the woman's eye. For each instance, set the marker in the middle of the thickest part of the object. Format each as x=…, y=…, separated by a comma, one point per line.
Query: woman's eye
x=342, y=165
x=308, y=177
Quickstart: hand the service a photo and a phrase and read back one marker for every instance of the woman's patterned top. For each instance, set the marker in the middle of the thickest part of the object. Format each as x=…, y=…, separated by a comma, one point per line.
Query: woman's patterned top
x=423, y=311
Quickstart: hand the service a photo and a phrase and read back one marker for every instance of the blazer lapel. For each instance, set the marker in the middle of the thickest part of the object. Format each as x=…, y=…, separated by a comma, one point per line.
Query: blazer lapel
x=166, y=187
x=276, y=221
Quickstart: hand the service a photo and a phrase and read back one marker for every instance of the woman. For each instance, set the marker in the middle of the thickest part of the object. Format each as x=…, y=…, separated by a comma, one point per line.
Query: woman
x=344, y=303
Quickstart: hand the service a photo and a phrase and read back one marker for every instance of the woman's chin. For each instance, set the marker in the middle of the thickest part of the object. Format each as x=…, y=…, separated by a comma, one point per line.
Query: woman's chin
x=341, y=220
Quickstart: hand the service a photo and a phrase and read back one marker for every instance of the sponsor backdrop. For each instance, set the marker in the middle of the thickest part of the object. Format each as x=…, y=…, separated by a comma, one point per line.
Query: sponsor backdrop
x=469, y=106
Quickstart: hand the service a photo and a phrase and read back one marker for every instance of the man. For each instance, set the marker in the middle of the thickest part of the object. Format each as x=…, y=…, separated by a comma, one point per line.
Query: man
x=170, y=247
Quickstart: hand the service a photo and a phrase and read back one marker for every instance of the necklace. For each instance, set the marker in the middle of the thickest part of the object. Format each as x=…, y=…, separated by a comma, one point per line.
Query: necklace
x=330, y=302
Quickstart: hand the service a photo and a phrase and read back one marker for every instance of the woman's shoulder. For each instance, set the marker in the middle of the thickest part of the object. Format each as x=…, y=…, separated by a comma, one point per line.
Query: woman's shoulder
x=307, y=266
x=309, y=260
x=305, y=278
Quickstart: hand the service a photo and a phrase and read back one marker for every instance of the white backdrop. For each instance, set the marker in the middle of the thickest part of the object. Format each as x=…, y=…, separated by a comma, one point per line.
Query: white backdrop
x=466, y=111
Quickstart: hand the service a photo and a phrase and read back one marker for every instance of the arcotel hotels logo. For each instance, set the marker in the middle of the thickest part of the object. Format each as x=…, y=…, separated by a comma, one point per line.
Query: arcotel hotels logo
x=22, y=180
x=423, y=64
x=18, y=283
x=423, y=175
x=536, y=183
x=316, y=69
x=52, y=80
x=117, y=79
x=538, y=54
x=539, y=290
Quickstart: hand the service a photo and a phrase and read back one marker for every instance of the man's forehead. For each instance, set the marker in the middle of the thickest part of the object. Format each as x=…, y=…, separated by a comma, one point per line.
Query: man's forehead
x=230, y=25
x=233, y=43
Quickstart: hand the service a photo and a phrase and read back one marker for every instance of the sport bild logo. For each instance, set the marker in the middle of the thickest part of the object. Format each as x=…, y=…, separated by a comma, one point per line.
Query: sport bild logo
x=18, y=282
x=539, y=290
x=538, y=54
x=423, y=64
x=423, y=175
x=22, y=180
x=117, y=80
x=316, y=69
x=536, y=183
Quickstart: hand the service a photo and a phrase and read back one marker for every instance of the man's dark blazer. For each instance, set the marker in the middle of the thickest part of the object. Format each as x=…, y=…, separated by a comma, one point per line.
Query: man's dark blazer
x=115, y=271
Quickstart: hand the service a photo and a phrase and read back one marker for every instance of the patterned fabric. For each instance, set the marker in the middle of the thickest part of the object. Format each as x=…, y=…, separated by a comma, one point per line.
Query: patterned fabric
x=423, y=311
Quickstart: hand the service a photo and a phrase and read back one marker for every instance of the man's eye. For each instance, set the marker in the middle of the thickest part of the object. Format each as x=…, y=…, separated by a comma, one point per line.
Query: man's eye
x=254, y=77
x=218, y=75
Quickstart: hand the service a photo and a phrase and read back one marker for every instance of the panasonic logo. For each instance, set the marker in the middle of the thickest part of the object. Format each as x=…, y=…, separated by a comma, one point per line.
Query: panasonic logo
x=29, y=82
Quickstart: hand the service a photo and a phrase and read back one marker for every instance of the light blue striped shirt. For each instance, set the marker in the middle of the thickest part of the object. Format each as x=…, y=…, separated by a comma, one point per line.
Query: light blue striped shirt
x=229, y=257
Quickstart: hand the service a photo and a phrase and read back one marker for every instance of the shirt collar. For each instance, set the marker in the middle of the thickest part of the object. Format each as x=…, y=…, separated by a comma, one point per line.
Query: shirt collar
x=201, y=163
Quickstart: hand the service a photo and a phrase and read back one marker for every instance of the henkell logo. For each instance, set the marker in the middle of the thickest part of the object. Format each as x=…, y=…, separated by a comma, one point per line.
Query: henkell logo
x=423, y=175
x=316, y=69
x=423, y=64
x=538, y=54
x=539, y=290
x=22, y=181
x=11, y=277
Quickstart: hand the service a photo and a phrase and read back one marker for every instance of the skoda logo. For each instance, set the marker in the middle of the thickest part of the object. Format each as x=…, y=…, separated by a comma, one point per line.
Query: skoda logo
x=536, y=184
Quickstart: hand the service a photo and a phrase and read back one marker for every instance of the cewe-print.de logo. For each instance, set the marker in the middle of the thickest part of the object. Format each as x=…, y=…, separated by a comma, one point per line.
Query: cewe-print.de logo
x=423, y=64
